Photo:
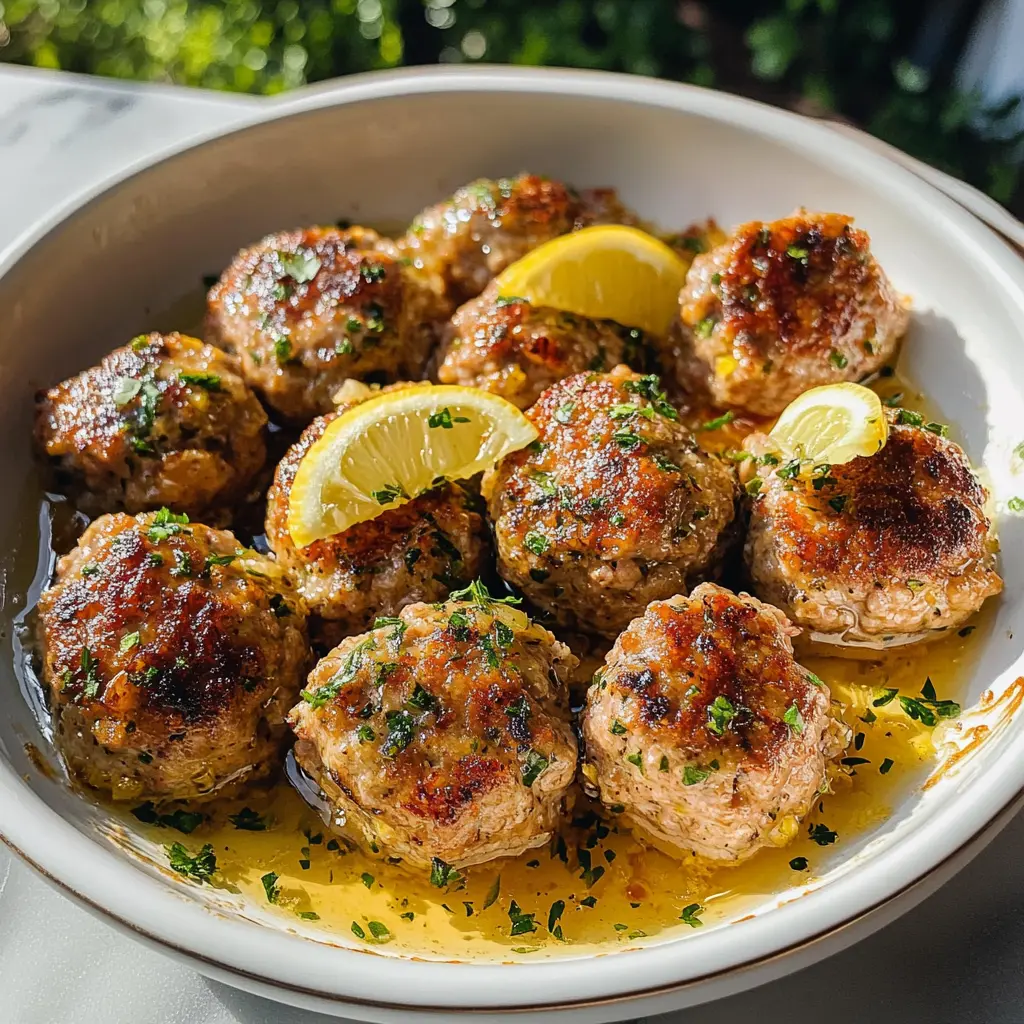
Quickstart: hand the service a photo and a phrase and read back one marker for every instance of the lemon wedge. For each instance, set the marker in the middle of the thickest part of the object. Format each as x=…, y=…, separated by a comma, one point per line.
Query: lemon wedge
x=833, y=424
x=383, y=452
x=605, y=272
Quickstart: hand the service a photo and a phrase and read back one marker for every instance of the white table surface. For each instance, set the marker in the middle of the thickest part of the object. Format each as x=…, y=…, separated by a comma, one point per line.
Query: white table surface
x=956, y=959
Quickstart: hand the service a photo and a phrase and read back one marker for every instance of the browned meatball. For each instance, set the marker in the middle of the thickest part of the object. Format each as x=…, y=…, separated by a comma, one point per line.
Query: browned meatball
x=166, y=420
x=306, y=310
x=171, y=655
x=612, y=507
x=443, y=734
x=416, y=552
x=486, y=225
x=783, y=307
x=882, y=551
x=703, y=727
x=516, y=350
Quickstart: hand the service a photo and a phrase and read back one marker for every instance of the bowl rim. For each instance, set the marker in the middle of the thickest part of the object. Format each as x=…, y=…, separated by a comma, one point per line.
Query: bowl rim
x=153, y=909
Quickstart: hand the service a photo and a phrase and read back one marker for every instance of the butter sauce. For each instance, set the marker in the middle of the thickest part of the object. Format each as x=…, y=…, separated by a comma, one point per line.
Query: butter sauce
x=594, y=887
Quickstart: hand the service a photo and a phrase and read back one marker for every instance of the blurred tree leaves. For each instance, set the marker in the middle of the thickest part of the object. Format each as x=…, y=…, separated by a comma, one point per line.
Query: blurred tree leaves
x=859, y=59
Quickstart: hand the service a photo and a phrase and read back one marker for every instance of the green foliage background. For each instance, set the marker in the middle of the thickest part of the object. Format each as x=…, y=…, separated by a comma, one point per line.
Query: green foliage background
x=849, y=58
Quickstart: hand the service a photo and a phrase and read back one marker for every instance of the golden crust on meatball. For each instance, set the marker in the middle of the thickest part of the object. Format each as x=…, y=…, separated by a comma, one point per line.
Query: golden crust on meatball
x=516, y=350
x=306, y=310
x=487, y=225
x=704, y=728
x=171, y=655
x=887, y=549
x=612, y=507
x=165, y=420
x=444, y=733
x=782, y=307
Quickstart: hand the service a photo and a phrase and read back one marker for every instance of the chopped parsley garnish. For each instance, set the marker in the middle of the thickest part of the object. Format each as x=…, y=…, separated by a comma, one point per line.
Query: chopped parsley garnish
x=617, y=728
x=883, y=768
x=277, y=602
x=379, y=931
x=636, y=759
x=166, y=524
x=554, y=914
x=521, y=923
x=372, y=273
x=908, y=418
x=821, y=834
x=90, y=674
x=563, y=414
x=422, y=700
x=185, y=822
x=706, y=326
x=798, y=863
x=270, y=886
x=532, y=767
x=797, y=252
x=627, y=439
x=207, y=381
x=691, y=915
x=444, y=419
x=199, y=868
x=649, y=387
x=300, y=267
x=478, y=594
x=128, y=641
x=719, y=421
x=939, y=429
x=388, y=493
x=400, y=732
x=838, y=502
x=357, y=931
x=794, y=719
x=308, y=915
x=617, y=519
x=1015, y=504
x=664, y=464
x=365, y=734
x=441, y=873
x=492, y=893
x=885, y=696
x=350, y=666
x=753, y=486
x=367, y=879
x=925, y=709
x=720, y=712
x=695, y=773
x=508, y=300
x=248, y=820
x=458, y=625
x=536, y=542
x=838, y=360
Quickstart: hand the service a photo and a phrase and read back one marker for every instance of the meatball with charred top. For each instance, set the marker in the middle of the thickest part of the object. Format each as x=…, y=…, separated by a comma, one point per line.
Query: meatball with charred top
x=487, y=225
x=306, y=310
x=882, y=551
x=612, y=507
x=516, y=350
x=705, y=730
x=171, y=656
x=444, y=733
x=165, y=420
x=783, y=307
x=416, y=552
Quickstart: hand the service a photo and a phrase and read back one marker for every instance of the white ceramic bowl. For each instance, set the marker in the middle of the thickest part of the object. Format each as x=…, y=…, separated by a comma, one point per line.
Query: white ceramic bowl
x=377, y=148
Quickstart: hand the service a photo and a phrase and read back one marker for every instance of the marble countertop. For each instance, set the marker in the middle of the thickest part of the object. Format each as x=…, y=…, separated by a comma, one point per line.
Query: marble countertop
x=955, y=959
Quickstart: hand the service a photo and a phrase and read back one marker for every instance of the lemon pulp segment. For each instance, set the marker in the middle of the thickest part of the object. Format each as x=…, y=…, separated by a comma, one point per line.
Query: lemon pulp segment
x=606, y=273
x=385, y=451
x=832, y=424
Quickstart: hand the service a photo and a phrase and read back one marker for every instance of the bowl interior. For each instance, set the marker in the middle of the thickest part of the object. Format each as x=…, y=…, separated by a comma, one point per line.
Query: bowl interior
x=115, y=267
